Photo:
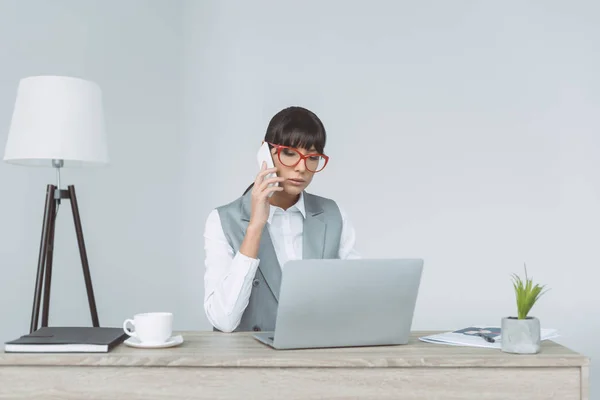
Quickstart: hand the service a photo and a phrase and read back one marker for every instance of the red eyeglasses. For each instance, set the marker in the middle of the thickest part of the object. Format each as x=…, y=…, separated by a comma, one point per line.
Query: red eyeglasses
x=290, y=157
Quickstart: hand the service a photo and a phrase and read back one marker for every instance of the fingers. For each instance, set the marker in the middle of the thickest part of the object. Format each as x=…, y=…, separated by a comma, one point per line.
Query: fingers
x=263, y=172
x=266, y=172
x=271, y=189
x=269, y=181
x=262, y=194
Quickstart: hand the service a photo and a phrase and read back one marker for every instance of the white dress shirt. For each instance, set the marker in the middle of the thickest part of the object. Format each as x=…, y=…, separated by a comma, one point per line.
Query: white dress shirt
x=228, y=275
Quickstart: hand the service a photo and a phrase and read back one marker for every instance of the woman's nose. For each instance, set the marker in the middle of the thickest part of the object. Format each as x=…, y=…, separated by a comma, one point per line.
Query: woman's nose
x=301, y=167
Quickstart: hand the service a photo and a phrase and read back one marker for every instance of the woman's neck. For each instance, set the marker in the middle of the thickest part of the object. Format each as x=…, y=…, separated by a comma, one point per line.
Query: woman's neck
x=283, y=200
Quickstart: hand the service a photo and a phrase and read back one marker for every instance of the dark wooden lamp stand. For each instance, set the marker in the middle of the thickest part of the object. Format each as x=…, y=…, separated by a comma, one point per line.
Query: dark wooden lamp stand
x=44, y=270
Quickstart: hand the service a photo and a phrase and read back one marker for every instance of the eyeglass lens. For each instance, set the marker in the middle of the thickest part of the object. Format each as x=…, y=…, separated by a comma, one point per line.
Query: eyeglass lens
x=290, y=157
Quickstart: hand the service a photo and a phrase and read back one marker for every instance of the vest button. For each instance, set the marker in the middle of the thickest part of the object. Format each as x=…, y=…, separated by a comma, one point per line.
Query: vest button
x=255, y=282
x=256, y=328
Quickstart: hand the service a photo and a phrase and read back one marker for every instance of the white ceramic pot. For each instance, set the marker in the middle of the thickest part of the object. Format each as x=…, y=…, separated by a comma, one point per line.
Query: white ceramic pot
x=521, y=336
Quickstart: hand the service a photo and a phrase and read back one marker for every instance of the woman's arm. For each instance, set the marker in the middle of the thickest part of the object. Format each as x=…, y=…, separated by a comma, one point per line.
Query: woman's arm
x=347, y=239
x=228, y=276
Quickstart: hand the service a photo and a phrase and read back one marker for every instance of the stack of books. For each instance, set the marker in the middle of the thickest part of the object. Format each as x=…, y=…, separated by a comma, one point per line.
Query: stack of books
x=67, y=339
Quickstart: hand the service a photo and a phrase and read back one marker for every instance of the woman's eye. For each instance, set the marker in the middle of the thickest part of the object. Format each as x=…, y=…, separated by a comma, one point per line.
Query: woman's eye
x=315, y=158
x=288, y=152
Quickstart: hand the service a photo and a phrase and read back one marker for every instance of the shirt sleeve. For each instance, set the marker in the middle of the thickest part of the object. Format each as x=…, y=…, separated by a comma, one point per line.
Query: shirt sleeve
x=347, y=239
x=227, y=279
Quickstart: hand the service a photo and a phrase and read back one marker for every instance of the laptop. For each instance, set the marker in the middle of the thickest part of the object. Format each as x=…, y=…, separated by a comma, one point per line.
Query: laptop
x=345, y=303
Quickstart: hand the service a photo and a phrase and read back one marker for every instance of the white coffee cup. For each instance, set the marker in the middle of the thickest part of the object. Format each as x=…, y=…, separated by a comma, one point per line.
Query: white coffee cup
x=150, y=328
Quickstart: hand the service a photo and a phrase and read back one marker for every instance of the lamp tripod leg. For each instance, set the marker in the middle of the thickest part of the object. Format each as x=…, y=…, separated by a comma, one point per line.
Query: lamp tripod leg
x=84, y=261
x=42, y=257
x=49, y=258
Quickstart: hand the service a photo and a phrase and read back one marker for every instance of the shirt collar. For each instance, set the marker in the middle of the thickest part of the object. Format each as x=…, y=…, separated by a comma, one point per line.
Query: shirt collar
x=298, y=206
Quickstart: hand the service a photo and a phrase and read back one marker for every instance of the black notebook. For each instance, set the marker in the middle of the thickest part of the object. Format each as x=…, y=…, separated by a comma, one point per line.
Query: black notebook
x=65, y=339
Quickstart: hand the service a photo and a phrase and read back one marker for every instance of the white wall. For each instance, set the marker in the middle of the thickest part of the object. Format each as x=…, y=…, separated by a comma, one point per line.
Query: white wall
x=461, y=132
x=129, y=210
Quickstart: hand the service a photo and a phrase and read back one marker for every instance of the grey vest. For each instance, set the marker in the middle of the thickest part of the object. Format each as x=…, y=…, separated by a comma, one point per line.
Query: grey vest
x=321, y=239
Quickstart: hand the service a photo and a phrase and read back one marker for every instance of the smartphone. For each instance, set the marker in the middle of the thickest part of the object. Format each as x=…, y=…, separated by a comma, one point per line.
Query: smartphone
x=264, y=155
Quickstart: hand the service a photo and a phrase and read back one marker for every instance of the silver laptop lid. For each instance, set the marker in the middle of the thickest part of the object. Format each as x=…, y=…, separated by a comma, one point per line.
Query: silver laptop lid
x=332, y=303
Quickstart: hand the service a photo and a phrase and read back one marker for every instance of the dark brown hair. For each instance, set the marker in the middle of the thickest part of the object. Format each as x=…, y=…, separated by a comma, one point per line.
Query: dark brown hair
x=297, y=127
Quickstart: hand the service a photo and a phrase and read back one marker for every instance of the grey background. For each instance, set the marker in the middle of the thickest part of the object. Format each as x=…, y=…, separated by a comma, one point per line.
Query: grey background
x=463, y=132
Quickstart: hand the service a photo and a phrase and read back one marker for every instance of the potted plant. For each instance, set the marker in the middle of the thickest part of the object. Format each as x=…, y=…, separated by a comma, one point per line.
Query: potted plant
x=522, y=334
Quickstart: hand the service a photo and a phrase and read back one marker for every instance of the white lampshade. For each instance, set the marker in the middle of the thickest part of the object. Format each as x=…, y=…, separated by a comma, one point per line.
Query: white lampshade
x=57, y=117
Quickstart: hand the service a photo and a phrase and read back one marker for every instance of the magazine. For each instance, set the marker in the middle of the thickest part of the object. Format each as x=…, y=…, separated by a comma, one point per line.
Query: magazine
x=478, y=336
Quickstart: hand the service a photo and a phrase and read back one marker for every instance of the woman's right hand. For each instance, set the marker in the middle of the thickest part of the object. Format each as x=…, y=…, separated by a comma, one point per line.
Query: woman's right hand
x=260, y=195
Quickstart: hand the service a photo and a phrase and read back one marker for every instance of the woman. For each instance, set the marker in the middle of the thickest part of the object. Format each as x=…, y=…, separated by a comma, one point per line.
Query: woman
x=243, y=259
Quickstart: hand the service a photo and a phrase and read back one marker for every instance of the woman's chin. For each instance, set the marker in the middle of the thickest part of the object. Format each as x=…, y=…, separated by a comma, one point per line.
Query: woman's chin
x=293, y=190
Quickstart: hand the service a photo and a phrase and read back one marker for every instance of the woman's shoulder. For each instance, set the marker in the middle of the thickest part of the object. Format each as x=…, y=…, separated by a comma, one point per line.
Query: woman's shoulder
x=321, y=199
x=326, y=203
x=234, y=206
x=216, y=215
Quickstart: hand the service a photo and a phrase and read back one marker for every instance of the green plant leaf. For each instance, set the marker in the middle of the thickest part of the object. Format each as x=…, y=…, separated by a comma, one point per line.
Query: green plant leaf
x=526, y=293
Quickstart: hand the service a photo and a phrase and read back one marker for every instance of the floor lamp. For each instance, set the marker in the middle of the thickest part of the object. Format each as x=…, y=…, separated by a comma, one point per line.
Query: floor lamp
x=57, y=122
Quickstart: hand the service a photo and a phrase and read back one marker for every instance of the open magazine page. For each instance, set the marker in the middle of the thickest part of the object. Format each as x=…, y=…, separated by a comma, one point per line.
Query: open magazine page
x=476, y=336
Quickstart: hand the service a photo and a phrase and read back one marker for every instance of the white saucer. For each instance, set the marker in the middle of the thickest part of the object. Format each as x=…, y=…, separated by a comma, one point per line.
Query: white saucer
x=171, y=342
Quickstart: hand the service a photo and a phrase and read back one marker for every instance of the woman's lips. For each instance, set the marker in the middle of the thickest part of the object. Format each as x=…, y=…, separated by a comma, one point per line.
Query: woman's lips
x=296, y=182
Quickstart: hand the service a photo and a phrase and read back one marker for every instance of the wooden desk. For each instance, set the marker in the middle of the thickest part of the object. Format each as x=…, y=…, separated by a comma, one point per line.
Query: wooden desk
x=212, y=365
